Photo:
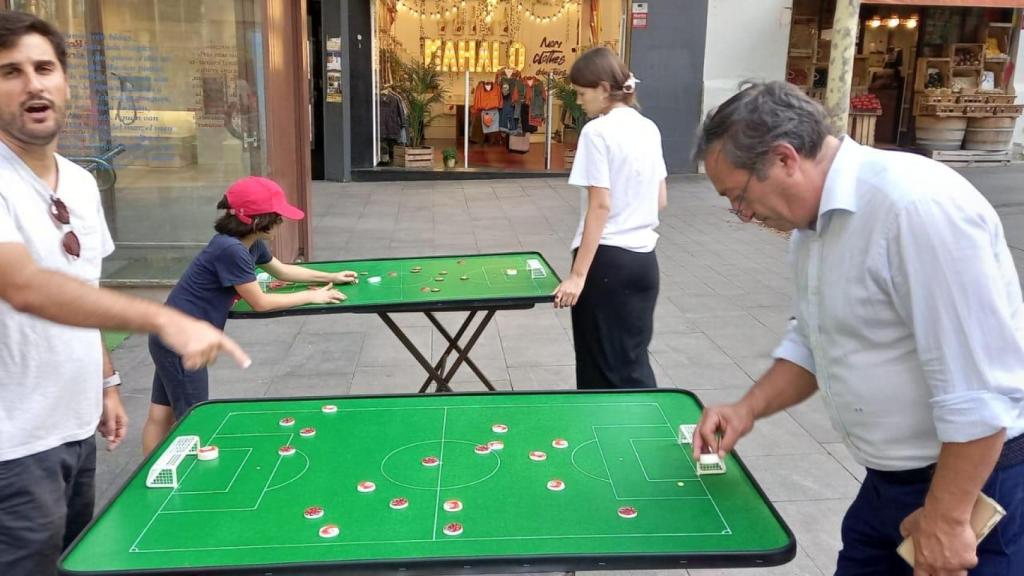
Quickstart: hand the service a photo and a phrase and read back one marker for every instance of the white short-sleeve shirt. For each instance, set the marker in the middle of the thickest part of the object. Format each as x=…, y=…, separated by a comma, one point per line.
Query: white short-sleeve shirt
x=51, y=375
x=621, y=151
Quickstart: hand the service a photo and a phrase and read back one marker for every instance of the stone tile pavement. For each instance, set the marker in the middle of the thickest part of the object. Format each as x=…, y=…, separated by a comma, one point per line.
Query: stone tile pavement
x=724, y=300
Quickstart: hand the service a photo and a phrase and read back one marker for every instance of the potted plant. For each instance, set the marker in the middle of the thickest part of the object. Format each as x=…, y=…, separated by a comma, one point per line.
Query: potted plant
x=421, y=86
x=573, y=117
x=449, y=154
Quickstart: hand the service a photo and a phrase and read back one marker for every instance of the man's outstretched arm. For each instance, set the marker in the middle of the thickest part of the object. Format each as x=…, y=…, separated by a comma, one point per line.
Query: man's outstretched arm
x=57, y=297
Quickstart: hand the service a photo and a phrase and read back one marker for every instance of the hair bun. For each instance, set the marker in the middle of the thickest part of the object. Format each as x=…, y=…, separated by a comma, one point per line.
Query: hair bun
x=629, y=86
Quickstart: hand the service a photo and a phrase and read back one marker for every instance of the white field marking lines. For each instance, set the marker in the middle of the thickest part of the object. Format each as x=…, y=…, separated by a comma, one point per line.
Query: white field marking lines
x=297, y=476
x=667, y=423
x=267, y=487
x=391, y=478
x=134, y=546
x=248, y=452
x=478, y=539
x=572, y=460
x=491, y=284
x=440, y=473
x=647, y=476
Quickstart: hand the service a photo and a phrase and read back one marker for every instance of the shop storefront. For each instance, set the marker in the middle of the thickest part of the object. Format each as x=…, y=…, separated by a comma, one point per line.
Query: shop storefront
x=498, y=102
x=513, y=56
x=170, y=103
x=935, y=77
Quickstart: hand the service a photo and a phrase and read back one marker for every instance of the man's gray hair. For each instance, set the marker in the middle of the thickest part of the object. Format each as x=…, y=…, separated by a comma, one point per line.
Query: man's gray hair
x=761, y=115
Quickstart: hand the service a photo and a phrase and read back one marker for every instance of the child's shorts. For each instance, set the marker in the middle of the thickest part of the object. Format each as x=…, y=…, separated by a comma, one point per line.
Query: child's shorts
x=173, y=385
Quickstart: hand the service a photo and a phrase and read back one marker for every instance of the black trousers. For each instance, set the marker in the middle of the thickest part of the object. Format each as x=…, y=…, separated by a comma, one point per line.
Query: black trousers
x=46, y=500
x=613, y=320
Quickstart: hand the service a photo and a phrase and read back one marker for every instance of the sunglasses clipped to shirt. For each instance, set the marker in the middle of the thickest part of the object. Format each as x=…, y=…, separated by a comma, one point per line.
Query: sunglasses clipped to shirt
x=60, y=213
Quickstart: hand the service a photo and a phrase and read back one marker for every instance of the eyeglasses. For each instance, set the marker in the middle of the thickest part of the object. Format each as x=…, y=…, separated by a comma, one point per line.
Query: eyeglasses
x=61, y=215
x=738, y=210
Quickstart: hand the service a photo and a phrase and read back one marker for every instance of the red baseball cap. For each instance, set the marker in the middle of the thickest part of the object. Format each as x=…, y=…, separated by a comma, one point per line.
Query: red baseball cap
x=255, y=195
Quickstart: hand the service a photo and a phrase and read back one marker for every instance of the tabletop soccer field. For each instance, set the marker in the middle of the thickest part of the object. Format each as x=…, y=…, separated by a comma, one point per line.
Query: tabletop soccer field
x=244, y=511
x=441, y=280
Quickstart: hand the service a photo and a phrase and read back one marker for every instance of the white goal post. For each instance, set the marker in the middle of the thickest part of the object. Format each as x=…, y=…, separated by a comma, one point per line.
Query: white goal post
x=164, y=472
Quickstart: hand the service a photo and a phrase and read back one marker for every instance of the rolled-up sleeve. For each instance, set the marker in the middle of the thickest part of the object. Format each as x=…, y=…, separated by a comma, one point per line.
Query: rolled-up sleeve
x=948, y=265
x=794, y=346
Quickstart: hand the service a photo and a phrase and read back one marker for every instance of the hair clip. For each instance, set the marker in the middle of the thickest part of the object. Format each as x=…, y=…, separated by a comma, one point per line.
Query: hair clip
x=629, y=86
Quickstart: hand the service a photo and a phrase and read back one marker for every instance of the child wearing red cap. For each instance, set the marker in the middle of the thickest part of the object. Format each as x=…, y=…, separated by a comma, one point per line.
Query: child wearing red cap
x=221, y=273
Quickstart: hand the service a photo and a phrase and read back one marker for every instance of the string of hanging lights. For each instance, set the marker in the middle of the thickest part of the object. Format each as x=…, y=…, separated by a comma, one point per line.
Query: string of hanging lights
x=448, y=10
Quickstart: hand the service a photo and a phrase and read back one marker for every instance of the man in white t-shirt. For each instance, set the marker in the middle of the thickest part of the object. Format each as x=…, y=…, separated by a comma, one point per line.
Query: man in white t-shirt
x=57, y=385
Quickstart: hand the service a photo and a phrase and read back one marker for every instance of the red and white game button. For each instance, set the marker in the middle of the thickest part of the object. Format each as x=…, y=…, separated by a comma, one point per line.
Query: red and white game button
x=496, y=445
x=482, y=449
x=330, y=531
x=209, y=452
x=556, y=485
x=537, y=456
x=430, y=461
x=287, y=421
x=329, y=408
x=399, y=503
x=499, y=428
x=366, y=486
x=307, y=432
x=313, y=512
x=453, y=529
x=627, y=512
x=286, y=450
x=560, y=443
x=452, y=505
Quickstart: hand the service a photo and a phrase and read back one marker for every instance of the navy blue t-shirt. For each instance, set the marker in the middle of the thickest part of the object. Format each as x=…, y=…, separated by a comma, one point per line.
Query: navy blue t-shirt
x=207, y=289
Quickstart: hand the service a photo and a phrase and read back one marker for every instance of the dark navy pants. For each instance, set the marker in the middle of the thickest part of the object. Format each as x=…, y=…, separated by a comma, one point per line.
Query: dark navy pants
x=173, y=385
x=871, y=528
x=46, y=500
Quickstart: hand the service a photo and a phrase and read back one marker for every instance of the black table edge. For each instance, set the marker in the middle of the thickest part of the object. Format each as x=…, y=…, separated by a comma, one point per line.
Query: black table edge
x=499, y=303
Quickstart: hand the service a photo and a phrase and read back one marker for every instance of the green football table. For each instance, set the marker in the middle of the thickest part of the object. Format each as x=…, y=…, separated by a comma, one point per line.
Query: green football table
x=472, y=284
x=419, y=484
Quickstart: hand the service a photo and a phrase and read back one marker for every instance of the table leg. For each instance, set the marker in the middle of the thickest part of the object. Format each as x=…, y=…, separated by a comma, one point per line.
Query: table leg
x=453, y=345
x=463, y=354
x=434, y=375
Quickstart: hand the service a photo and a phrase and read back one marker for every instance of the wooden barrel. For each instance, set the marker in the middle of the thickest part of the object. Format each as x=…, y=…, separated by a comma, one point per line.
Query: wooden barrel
x=992, y=133
x=940, y=132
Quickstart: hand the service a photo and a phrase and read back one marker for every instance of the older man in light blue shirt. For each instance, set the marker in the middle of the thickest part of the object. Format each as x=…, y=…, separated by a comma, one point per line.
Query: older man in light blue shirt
x=909, y=320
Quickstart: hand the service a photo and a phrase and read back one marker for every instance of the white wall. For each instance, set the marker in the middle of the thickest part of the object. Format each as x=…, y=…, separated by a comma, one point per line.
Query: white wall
x=746, y=39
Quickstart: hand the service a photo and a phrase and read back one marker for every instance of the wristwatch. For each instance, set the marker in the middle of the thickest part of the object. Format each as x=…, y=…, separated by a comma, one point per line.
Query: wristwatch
x=112, y=380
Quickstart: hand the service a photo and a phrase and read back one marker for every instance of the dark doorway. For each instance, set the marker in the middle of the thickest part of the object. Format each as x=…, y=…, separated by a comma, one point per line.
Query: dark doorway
x=315, y=42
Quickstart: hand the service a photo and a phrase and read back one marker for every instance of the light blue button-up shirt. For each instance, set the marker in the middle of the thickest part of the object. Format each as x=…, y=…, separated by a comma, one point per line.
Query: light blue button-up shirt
x=908, y=309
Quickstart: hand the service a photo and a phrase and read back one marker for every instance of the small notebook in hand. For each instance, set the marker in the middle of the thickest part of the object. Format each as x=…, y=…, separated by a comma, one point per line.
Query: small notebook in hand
x=986, y=513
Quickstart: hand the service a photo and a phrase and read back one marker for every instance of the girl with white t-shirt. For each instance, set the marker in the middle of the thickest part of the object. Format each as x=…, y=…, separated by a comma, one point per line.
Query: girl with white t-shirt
x=613, y=285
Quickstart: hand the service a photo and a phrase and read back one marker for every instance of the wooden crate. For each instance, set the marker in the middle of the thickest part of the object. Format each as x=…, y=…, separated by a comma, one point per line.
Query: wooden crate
x=414, y=157
x=940, y=109
x=971, y=157
x=569, y=157
x=967, y=55
x=979, y=110
x=941, y=65
x=1003, y=99
x=935, y=97
x=1009, y=110
x=971, y=99
x=861, y=127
